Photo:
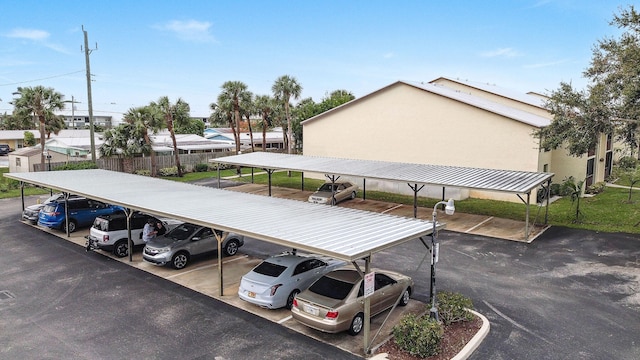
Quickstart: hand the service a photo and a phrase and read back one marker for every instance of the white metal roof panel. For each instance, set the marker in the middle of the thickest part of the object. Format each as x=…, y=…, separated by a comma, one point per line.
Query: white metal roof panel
x=342, y=233
x=482, y=103
x=452, y=176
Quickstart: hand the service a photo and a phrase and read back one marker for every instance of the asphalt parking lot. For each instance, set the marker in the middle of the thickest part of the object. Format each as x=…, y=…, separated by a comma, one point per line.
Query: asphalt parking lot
x=567, y=295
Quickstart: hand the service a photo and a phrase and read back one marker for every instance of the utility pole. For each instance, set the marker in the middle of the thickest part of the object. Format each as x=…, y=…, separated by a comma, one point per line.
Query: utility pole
x=89, y=101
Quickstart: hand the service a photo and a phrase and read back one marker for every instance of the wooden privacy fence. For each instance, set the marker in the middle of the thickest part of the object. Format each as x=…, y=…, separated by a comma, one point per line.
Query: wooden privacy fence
x=188, y=161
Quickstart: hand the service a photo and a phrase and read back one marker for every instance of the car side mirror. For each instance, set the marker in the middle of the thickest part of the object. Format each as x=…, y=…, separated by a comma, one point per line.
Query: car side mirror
x=195, y=238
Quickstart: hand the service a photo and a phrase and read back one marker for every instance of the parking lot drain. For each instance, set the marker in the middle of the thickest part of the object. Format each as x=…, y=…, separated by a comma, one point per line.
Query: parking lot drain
x=6, y=294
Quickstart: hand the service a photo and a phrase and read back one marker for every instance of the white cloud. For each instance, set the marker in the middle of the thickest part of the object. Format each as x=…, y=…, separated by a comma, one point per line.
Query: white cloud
x=502, y=52
x=389, y=55
x=30, y=34
x=190, y=30
x=547, y=64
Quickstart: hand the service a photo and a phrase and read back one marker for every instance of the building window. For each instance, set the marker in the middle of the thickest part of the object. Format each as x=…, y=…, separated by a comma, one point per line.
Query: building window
x=18, y=161
x=590, y=168
x=545, y=168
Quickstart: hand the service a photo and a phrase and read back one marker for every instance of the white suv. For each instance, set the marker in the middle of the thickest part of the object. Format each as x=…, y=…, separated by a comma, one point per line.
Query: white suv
x=109, y=232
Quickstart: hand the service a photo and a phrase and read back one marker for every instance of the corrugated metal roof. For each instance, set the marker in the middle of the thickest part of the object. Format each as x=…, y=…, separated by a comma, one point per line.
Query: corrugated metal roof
x=342, y=233
x=520, y=182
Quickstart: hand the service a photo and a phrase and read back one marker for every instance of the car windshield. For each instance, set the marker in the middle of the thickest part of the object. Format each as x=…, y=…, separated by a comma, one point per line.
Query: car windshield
x=269, y=269
x=331, y=288
x=181, y=232
x=326, y=187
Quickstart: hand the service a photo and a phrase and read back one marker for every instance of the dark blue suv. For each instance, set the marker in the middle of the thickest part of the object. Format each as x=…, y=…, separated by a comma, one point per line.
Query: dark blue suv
x=82, y=213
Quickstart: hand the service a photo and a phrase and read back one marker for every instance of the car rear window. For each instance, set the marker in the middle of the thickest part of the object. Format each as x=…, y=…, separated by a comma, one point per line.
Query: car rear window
x=101, y=224
x=270, y=269
x=331, y=288
x=48, y=208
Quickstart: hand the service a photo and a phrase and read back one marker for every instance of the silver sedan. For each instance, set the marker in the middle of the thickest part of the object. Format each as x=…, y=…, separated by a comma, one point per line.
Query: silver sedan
x=276, y=281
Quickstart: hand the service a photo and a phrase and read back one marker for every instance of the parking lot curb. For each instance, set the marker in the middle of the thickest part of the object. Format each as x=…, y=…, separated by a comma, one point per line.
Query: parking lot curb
x=476, y=340
x=466, y=351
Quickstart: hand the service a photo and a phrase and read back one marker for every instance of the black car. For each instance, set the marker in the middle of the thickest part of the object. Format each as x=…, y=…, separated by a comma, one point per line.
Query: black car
x=4, y=149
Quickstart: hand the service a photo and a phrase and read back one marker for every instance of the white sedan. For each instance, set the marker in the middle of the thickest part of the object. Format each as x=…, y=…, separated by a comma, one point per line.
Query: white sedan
x=276, y=281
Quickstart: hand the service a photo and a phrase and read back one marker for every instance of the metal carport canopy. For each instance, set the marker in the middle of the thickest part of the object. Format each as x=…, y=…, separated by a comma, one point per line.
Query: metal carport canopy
x=519, y=182
x=342, y=233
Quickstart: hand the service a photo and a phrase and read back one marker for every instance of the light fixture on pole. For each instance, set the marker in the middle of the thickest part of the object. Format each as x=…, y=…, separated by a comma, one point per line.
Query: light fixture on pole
x=449, y=209
x=48, y=156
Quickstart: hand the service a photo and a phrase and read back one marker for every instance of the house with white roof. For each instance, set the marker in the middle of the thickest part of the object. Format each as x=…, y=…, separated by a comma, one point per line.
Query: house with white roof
x=445, y=122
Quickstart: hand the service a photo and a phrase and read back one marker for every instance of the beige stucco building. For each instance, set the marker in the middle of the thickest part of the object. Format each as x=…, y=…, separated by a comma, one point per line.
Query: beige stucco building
x=446, y=122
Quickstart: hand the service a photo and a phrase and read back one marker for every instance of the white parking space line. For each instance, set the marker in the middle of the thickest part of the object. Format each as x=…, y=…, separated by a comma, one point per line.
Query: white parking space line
x=205, y=267
x=285, y=319
x=478, y=225
x=393, y=208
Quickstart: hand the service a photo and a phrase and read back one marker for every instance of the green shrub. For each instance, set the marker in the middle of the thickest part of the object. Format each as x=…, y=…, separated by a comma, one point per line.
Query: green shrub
x=452, y=307
x=596, y=188
x=201, y=167
x=143, y=172
x=419, y=336
x=169, y=171
x=76, y=165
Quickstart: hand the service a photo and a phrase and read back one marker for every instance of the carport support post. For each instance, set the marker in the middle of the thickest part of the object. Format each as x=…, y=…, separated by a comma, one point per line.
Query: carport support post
x=22, y=193
x=220, y=238
x=129, y=214
x=415, y=189
x=302, y=181
x=367, y=310
x=269, y=172
x=218, y=168
x=364, y=189
x=66, y=213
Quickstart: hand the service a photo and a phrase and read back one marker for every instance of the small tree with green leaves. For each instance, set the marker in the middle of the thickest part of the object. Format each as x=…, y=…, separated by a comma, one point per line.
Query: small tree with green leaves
x=632, y=176
x=29, y=139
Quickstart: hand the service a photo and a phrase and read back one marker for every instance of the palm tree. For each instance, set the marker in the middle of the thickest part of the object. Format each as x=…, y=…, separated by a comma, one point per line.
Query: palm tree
x=264, y=105
x=40, y=102
x=234, y=93
x=248, y=109
x=174, y=114
x=125, y=141
x=284, y=88
x=147, y=119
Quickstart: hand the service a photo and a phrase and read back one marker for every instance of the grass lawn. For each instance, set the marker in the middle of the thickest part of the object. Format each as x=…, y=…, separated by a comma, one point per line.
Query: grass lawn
x=609, y=211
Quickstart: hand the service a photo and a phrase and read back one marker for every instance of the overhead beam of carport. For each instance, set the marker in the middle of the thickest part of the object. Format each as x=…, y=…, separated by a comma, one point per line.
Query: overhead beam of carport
x=509, y=181
x=342, y=233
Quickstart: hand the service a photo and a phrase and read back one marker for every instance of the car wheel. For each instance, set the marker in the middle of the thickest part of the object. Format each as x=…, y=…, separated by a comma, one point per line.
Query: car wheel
x=292, y=296
x=231, y=248
x=72, y=226
x=121, y=248
x=404, y=300
x=356, y=324
x=180, y=260
x=353, y=195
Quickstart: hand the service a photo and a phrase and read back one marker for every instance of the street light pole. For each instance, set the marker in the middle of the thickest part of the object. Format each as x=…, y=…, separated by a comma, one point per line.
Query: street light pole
x=435, y=248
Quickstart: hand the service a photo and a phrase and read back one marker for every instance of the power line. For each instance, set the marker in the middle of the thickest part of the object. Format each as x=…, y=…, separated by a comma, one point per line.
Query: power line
x=45, y=78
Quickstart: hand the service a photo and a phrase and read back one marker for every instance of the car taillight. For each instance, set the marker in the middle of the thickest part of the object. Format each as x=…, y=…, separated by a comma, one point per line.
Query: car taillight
x=105, y=238
x=295, y=302
x=332, y=315
x=274, y=288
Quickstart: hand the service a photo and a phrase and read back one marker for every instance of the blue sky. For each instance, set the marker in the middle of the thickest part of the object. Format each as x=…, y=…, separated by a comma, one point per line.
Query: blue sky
x=188, y=49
